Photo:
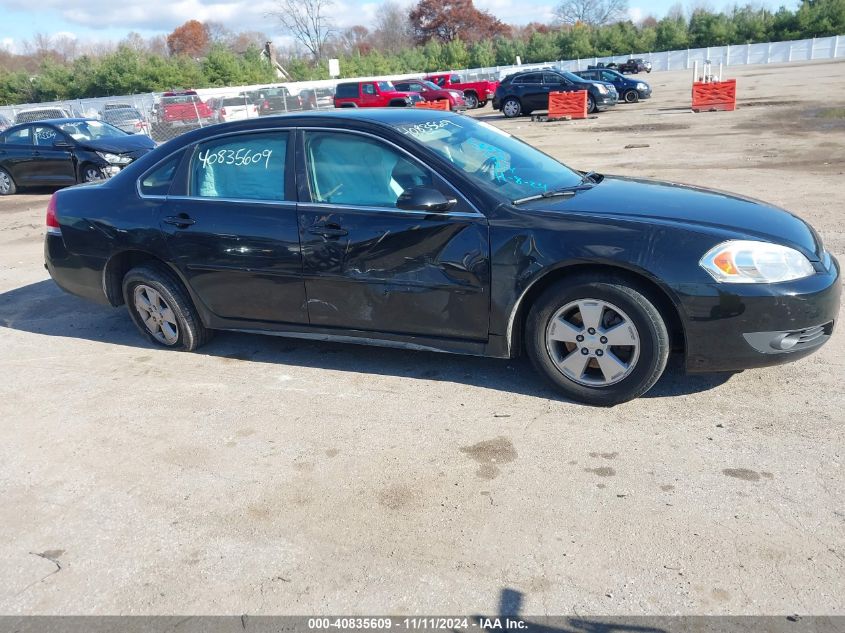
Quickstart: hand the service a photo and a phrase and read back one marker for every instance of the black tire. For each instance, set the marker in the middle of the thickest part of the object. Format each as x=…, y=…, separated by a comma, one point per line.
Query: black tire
x=513, y=110
x=591, y=104
x=190, y=331
x=7, y=183
x=632, y=96
x=652, y=335
x=471, y=99
x=86, y=171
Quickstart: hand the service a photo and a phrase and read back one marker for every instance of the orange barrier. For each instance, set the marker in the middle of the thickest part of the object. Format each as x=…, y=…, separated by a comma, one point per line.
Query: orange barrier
x=716, y=95
x=568, y=104
x=440, y=104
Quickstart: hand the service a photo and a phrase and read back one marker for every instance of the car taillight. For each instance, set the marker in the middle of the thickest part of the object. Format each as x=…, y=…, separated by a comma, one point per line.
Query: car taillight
x=53, y=227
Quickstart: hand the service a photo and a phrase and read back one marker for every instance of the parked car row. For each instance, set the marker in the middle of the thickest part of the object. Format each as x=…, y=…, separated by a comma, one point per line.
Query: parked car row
x=524, y=92
x=633, y=66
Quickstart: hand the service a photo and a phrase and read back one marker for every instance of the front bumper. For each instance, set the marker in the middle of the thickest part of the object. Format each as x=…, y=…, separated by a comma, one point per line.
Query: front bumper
x=603, y=102
x=758, y=325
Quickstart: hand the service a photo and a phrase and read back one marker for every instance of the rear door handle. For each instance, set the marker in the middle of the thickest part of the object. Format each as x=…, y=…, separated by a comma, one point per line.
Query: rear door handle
x=183, y=220
x=328, y=230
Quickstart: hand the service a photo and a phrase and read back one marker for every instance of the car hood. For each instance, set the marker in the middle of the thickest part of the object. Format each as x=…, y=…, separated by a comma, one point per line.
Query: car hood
x=120, y=144
x=693, y=207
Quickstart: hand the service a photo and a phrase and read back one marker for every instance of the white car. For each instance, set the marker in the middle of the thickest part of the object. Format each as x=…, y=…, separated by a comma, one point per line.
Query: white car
x=235, y=109
x=41, y=114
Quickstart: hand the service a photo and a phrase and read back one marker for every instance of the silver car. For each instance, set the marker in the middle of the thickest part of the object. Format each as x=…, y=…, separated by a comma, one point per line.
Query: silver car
x=127, y=119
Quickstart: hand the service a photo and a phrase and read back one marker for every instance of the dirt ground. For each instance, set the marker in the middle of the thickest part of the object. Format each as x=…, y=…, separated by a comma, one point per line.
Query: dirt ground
x=266, y=475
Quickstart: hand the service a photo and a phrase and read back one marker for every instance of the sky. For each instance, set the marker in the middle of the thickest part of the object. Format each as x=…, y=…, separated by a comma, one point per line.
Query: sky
x=103, y=20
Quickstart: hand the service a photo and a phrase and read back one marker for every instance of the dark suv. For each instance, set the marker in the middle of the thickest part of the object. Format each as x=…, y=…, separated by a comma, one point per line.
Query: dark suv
x=524, y=92
x=631, y=90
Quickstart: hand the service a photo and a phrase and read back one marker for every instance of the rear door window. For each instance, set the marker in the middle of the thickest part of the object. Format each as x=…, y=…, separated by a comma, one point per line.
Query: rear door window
x=157, y=181
x=242, y=167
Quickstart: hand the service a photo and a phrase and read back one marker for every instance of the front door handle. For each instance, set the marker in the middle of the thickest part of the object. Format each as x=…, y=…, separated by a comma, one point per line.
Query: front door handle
x=182, y=221
x=328, y=230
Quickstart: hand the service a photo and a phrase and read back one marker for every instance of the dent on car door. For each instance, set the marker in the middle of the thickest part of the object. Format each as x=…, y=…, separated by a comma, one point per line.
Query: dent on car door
x=232, y=231
x=371, y=266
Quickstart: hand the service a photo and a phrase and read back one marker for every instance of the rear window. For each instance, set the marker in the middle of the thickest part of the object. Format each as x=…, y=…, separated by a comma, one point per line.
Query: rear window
x=530, y=78
x=235, y=101
x=347, y=91
x=39, y=115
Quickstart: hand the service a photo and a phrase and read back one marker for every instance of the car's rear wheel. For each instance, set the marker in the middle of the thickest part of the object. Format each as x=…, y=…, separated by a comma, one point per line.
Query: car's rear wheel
x=7, y=183
x=591, y=104
x=482, y=103
x=511, y=107
x=471, y=100
x=599, y=340
x=161, y=308
x=632, y=96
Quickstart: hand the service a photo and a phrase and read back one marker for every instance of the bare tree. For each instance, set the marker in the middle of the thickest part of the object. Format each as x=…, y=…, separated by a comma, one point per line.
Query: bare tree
x=393, y=28
x=592, y=12
x=307, y=21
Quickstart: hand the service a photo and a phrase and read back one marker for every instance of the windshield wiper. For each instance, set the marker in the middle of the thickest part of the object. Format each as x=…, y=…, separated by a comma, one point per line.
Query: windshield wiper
x=566, y=191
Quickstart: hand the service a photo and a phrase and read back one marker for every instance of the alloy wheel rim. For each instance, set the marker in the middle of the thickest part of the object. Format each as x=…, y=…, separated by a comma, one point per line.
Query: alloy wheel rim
x=593, y=342
x=511, y=108
x=5, y=182
x=471, y=101
x=156, y=313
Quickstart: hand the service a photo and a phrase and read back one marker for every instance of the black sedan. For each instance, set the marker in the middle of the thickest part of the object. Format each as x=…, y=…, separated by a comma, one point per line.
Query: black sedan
x=629, y=90
x=61, y=152
x=429, y=230
x=524, y=92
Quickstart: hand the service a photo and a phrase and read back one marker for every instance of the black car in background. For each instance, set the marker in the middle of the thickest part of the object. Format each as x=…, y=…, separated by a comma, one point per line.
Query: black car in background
x=61, y=152
x=275, y=101
x=430, y=230
x=629, y=90
x=524, y=92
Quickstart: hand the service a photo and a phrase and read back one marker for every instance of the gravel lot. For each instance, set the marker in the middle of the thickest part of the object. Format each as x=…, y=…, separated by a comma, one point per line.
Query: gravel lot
x=266, y=475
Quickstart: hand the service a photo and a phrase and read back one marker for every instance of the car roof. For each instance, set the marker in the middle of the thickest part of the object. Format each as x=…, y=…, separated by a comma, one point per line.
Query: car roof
x=17, y=126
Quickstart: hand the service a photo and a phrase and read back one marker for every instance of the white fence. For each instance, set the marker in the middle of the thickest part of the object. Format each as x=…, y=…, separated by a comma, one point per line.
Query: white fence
x=733, y=55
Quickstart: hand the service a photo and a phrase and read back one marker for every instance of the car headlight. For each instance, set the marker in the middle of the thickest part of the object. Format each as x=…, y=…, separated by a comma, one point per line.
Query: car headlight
x=642, y=86
x=602, y=88
x=114, y=159
x=747, y=261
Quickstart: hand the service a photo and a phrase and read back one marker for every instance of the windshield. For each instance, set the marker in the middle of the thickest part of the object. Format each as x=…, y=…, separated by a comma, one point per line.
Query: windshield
x=385, y=86
x=430, y=85
x=90, y=130
x=493, y=159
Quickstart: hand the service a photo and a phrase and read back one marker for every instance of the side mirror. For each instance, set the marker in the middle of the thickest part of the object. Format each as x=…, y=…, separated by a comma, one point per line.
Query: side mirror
x=425, y=199
x=59, y=144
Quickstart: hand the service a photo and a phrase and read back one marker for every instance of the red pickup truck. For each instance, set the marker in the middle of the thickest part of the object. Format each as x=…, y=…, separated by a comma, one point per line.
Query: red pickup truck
x=476, y=93
x=180, y=109
x=373, y=94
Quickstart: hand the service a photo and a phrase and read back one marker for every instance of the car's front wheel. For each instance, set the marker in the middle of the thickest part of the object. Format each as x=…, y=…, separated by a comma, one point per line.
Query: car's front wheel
x=161, y=308
x=599, y=340
x=591, y=104
x=511, y=107
x=632, y=96
x=91, y=173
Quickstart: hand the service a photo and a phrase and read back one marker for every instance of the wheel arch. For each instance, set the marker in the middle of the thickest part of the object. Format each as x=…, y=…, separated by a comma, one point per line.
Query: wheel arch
x=121, y=263
x=663, y=299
